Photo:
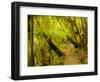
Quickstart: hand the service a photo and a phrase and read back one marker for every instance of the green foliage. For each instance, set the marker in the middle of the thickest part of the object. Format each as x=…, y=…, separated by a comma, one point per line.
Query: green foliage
x=51, y=38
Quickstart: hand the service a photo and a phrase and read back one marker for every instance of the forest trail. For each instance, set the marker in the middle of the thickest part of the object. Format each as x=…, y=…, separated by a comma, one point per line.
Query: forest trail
x=57, y=40
x=70, y=57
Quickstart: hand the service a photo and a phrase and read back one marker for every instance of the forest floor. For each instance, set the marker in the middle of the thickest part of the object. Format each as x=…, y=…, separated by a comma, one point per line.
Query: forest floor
x=70, y=57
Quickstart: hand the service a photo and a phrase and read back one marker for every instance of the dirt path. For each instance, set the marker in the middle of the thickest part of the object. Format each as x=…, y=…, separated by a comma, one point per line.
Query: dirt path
x=70, y=57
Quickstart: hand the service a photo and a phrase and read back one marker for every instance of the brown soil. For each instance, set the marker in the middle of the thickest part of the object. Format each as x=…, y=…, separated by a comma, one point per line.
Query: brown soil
x=70, y=57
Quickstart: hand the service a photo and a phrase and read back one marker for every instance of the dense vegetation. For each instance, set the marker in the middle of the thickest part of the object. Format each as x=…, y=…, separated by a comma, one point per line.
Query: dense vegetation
x=57, y=40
